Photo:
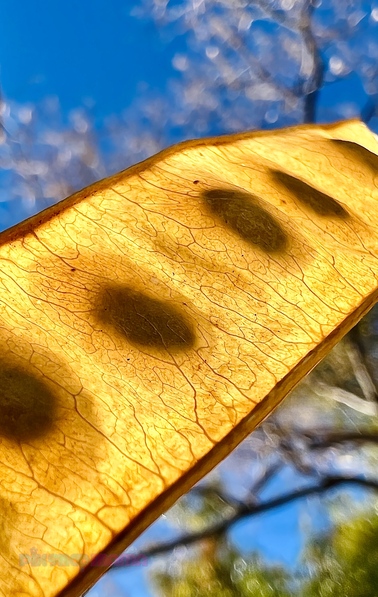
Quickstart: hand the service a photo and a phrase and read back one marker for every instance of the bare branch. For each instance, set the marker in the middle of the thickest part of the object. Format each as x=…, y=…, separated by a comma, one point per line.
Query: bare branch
x=348, y=398
x=244, y=511
x=320, y=440
x=358, y=358
x=317, y=76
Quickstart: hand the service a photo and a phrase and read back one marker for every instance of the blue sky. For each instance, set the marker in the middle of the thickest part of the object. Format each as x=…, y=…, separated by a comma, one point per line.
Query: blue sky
x=82, y=51
x=79, y=51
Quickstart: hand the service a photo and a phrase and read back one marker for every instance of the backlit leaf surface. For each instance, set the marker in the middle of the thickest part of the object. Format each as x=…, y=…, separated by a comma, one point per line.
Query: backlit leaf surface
x=151, y=321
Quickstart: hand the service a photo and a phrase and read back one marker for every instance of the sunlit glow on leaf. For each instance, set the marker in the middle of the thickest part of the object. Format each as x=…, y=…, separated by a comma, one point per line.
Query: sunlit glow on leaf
x=151, y=321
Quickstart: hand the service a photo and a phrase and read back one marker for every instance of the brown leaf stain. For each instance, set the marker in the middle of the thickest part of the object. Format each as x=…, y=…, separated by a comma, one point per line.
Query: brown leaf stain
x=27, y=405
x=357, y=153
x=319, y=202
x=143, y=320
x=242, y=213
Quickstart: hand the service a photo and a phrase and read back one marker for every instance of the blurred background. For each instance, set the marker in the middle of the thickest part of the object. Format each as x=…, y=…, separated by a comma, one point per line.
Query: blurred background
x=88, y=88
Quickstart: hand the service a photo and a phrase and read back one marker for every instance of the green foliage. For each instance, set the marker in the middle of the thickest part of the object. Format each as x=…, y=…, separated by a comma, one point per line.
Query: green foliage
x=340, y=563
x=220, y=571
x=344, y=562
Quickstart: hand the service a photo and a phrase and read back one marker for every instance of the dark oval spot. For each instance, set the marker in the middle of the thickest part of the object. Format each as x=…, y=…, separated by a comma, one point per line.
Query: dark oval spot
x=27, y=406
x=145, y=321
x=358, y=154
x=242, y=213
x=321, y=203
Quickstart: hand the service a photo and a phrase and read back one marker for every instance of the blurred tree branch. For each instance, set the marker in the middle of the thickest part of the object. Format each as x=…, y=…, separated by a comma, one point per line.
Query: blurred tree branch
x=244, y=511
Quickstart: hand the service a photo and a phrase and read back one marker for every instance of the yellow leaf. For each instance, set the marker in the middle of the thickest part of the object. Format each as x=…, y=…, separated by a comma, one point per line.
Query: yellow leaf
x=149, y=322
